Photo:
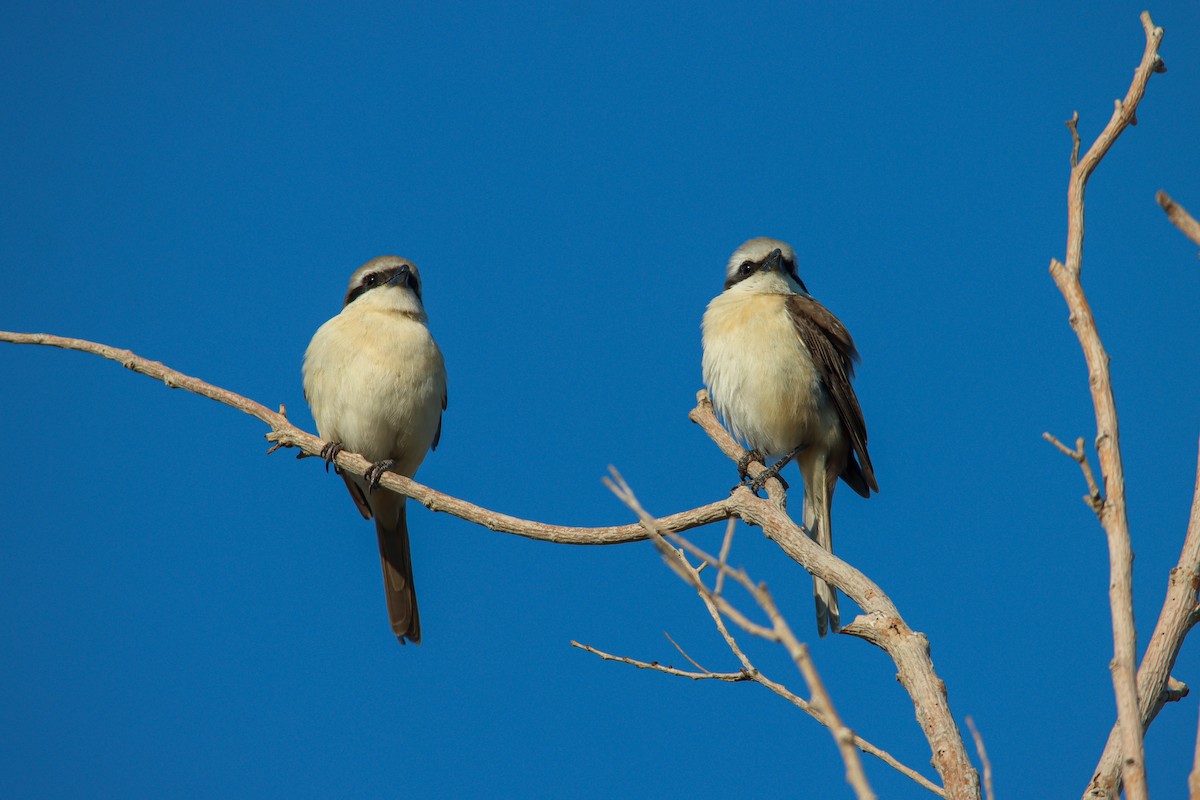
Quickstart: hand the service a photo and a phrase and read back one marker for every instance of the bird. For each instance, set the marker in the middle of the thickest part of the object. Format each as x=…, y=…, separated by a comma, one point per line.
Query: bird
x=375, y=381
x=778, y=365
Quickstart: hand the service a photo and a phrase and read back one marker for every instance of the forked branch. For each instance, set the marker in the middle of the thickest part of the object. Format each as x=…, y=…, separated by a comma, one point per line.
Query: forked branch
x=881, y=624
x=777, y=631
x=1154, y=683
x=1111, y=510
x=714, y=602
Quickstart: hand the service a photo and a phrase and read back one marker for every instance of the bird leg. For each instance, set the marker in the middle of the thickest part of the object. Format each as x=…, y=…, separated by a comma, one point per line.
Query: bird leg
x=773, y=471
x=375, y=472
x=329, y=452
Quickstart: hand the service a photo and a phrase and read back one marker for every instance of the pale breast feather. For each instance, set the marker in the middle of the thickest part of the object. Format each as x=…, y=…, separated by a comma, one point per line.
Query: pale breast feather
x=762, y=378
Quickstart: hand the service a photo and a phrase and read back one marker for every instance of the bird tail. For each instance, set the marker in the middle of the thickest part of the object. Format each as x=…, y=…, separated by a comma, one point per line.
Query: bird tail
x=392, y=530
x=818, y=497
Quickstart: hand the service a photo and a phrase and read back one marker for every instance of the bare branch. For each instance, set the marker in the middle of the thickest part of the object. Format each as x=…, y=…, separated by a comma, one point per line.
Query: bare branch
x=1079, y=456
x=1179, y=216
x=779, y=631
x=683, y=653
x=725, y=546
x=706, y=417
x=1112, y=512
x=731, y=677
x=1073, y=125
x=1178, y=616
x=880, y=624
x=1175, y=691
x=284, y=434
x=752, y=674
x=983, y=759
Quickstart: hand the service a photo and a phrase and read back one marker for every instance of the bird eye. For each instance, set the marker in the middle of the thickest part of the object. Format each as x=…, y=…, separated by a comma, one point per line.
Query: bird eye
x=746, y=268
x=370, y=280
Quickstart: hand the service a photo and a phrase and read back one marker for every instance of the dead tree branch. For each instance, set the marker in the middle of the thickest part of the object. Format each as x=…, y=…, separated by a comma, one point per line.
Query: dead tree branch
x=1111, y=508
x=880, y=624
x=1079, y=456
x=284, y=434
x=1154, y=684
x=779, y=631
x=1179, y=216
x=983, y=759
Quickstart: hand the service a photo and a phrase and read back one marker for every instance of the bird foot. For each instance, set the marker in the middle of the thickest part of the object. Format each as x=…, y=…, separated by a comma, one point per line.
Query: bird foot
x=375, y=472
x=743, y=463
x=773, y=472
x=329, y=452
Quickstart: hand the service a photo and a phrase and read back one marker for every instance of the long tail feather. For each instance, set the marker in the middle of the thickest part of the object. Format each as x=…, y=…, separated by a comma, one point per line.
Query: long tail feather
x=817, y=506
x=398, y=574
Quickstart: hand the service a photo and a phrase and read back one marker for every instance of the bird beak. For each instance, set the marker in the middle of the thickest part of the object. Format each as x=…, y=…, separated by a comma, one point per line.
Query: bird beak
x=773, y=260
x=403, y=276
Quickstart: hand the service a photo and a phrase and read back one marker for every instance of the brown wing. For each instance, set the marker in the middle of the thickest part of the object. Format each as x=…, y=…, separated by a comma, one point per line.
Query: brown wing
x=437, y=436
x=834, y=353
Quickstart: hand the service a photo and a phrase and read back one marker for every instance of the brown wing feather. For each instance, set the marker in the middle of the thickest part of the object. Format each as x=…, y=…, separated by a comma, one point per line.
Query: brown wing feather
x=437, y=436
x=834, y=354
x=356, y=494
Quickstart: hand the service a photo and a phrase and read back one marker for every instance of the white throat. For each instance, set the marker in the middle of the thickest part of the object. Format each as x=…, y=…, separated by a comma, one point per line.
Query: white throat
x=773, y=282
x=396, y=299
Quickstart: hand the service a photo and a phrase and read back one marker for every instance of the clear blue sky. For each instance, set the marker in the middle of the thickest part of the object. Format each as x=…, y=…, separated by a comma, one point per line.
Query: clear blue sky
x=181, y=615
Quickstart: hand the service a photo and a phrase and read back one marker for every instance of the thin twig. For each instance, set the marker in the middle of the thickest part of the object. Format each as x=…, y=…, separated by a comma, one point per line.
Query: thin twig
x=683, y=653
x=753, y=674
x=726, y=544
x=808, y=708
x=730, y=677
x=1179, y=216
x=1079, y=456
x=983, y=759
x=1073, y=125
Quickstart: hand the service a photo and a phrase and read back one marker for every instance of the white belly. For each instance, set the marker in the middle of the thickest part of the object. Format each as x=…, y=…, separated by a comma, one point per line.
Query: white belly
x=761, y=375
x=375, y=382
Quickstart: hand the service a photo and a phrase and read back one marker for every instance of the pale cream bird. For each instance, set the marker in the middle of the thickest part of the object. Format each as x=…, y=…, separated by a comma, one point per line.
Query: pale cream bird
x=376, y=382
x=778, y=366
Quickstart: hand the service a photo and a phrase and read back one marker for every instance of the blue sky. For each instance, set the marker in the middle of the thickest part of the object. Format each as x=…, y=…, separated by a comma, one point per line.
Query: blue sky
x=181, y=615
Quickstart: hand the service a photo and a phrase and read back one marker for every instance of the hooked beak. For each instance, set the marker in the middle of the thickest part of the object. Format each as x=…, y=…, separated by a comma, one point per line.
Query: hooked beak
x=402, y=277
x=772, y=261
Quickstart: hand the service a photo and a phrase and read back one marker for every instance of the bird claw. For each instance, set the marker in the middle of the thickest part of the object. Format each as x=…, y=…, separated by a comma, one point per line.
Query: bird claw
x=766, y=475
x=773, y=472
x=375, y=472
x=743, y=463
x=329, y=452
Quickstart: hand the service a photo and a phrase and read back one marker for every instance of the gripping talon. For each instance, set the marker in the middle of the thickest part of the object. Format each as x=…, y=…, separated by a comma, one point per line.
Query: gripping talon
x=743, y=463
x=375, y=472
x=766, y=475
x=773, y=472
x=329, y=452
